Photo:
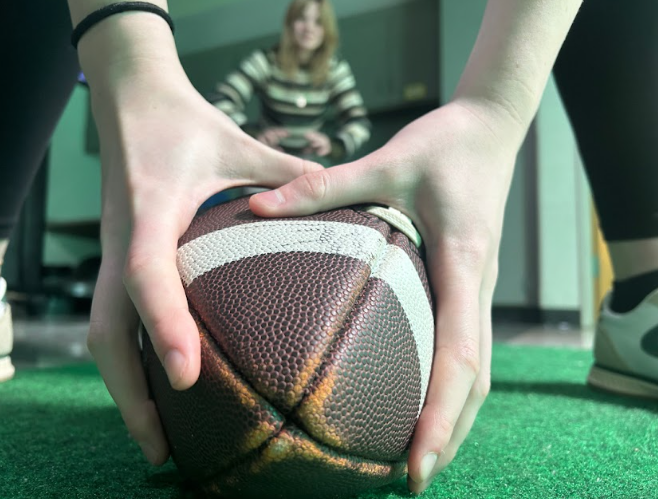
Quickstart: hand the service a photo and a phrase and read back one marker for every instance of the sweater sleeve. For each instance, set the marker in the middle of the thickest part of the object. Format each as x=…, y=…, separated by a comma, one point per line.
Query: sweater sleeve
x=232, y=95
x=353, y=123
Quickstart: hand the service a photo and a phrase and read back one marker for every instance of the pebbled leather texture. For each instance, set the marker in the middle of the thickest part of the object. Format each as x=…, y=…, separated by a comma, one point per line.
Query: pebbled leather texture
x=317, y=342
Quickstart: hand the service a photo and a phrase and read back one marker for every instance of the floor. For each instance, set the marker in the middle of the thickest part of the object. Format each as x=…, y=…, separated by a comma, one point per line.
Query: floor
x=46, y=343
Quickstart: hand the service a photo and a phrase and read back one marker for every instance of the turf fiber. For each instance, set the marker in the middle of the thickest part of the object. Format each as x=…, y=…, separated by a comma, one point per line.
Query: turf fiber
x=541, y=434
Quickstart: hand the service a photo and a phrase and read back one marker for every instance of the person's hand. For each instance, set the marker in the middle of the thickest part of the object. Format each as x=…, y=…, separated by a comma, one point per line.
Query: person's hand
x=318, y=144
x=450, y=172
x=272, y=137
x=164, y=151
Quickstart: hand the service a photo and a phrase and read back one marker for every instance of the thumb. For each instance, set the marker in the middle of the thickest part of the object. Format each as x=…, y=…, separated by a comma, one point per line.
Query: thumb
x=343, y=185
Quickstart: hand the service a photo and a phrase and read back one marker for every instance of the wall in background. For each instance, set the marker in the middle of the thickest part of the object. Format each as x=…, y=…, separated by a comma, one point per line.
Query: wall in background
x=557, y=180
x=233, y=21
x=564, y=207
x=180, y=9
x=73, y=186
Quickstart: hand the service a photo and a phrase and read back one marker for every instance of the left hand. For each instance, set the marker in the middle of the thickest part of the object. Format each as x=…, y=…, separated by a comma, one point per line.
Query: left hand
x=318, y=144
x=164, y=151
x=450, y=172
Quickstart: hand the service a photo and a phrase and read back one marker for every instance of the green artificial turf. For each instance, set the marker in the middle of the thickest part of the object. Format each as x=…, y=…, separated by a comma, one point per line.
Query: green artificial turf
x=541, y=434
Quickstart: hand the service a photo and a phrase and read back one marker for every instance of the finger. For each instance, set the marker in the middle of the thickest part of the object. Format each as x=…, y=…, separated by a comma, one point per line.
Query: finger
x=314, y=140
x=154, y=285
x=280, y=133
x=324, y=149
x=312, y=148
x=271, y=135
x=270, y=138
x=456, y=359
x=321, y=145
x=112, y=342
x=274, y=135
x=343, y=185
x=479, y=391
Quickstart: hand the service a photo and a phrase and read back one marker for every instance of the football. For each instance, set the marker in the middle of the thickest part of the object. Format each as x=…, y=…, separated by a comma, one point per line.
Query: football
x=317, y=337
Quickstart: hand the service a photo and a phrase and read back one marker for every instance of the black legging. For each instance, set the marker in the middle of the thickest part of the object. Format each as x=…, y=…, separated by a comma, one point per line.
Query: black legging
x=39, y=71
x=607, y=73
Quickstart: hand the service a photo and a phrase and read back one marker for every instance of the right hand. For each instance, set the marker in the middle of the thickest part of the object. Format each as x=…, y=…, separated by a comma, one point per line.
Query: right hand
x=272, y=137
x=450, y=172
x=164, y=151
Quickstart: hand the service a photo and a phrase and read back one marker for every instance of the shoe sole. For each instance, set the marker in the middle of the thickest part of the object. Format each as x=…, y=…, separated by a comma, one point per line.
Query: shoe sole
x=6, y=369
x=621, y=384
x=6, y=342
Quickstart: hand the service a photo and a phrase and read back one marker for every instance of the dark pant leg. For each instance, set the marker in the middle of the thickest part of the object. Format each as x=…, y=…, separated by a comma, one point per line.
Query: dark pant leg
x=607, y=74
x=39, y=70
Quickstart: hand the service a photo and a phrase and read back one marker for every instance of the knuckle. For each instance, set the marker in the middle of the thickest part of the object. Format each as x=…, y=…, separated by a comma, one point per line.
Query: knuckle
x=315, y=185
x=466, y=354
x=475, y=249
x=98, y=338
x=135, y=264
x=443, y=428
x=468, y=251
x=310, y=166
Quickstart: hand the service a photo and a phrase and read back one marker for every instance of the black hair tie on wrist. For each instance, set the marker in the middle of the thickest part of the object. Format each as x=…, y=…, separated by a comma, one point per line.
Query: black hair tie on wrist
x=116, y=8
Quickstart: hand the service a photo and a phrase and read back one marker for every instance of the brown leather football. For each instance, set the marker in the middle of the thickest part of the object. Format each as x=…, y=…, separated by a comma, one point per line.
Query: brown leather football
x=317, y=336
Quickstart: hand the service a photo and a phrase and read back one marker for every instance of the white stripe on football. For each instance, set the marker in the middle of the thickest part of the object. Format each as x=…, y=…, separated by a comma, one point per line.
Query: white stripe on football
x=387, y=262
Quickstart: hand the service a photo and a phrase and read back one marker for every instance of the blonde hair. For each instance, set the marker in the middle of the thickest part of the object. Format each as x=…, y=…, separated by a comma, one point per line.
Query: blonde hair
x=321, y=59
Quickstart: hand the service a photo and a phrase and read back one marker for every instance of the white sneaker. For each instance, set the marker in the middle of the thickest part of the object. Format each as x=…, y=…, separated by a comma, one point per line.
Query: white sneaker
x=626, y=350
x=6, y=335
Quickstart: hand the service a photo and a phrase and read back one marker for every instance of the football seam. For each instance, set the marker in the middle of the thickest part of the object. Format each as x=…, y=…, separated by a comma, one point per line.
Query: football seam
x=288, y=419
x=256, y=453
x=311, y=386
x=333, y=346
x=291, y=414
x=247, y=383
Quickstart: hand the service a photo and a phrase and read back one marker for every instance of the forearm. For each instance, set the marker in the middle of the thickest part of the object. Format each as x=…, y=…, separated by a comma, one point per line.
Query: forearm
x=511, y=61
x=126, y=43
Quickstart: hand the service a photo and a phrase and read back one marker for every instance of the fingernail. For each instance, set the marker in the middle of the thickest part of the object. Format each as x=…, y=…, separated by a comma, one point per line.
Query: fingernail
x=272, y=198
x=175, y=365
x=427, y=466
x=150, y=453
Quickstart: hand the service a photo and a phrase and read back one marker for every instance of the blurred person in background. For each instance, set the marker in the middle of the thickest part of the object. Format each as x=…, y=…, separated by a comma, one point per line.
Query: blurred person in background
x=301, y=84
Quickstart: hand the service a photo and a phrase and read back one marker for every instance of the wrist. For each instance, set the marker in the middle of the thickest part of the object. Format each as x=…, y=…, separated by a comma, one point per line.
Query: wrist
x=508, y=119
x=126, y=46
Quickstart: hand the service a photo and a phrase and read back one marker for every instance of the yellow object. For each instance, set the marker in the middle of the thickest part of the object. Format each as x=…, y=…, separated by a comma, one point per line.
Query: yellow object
x=603, y=274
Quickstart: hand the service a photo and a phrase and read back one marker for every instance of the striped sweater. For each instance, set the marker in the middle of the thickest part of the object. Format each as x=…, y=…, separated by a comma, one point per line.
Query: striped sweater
x=296, y=104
